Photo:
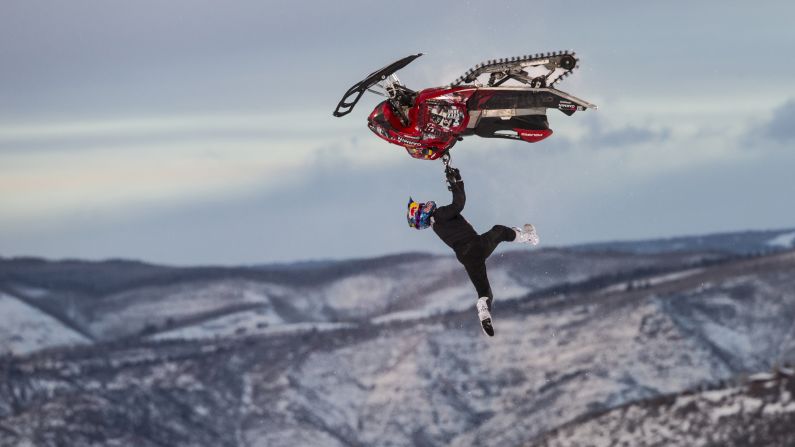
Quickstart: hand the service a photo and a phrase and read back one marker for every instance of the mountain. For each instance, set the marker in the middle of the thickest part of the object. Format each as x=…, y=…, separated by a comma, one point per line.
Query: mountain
x=385, y=351
x=746, y=242
x=760, y=411
x=104, y=303
x=25, y=329
x=117, y=299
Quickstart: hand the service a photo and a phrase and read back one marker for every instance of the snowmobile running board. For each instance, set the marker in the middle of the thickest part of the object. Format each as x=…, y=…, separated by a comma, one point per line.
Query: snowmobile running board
x=345, y=106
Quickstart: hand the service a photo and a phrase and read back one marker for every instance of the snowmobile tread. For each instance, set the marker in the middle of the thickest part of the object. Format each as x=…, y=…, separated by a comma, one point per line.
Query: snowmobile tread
x=515, y=64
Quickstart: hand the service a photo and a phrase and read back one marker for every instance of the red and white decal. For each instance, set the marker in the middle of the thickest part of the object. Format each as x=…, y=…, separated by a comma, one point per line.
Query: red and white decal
x=533, y=136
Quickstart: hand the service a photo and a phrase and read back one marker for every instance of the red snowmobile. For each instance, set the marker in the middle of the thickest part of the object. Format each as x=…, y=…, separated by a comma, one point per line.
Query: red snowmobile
x=429, y=122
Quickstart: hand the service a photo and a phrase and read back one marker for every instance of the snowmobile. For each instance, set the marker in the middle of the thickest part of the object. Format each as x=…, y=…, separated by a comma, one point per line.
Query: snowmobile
x=429, y=122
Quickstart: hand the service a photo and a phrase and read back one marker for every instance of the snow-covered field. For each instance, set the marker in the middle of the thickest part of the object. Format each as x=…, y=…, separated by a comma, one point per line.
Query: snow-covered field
x=127, y=312
x=26, y=329
x=786, y=240
x=247, y=323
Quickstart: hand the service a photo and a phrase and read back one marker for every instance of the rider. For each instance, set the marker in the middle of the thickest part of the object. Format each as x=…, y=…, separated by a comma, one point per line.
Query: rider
x=470, y=249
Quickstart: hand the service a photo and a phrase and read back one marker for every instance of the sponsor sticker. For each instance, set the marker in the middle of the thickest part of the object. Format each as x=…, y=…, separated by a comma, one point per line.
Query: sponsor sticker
x=567, y=106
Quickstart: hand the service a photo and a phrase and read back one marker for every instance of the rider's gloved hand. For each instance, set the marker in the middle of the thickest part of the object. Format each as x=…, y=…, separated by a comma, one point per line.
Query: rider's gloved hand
x=453, y=175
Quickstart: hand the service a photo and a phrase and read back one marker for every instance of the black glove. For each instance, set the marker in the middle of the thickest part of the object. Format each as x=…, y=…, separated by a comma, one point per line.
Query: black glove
x=453, y=175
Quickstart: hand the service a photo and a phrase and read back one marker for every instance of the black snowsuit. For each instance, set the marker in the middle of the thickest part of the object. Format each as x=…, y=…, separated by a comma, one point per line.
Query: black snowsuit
x=471, y=249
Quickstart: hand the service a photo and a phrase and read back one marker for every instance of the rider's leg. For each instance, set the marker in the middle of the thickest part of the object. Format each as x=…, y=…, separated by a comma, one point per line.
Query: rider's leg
x=493, y=237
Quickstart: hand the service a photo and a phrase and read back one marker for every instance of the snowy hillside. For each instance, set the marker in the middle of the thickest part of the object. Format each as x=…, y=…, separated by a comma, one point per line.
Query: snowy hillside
x=740, y=243
x=783, y=241
x=26, y=329
x=604, y=331
x=164, y=302
x=760, y=412
x=121, y=299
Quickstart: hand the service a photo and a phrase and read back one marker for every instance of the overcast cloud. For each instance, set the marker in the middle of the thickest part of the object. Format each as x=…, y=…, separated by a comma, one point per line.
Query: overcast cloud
x=198, y=132
x=782, y=126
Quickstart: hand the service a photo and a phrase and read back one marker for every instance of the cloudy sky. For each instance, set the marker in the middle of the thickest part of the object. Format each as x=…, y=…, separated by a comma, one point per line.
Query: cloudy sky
x=200, y=132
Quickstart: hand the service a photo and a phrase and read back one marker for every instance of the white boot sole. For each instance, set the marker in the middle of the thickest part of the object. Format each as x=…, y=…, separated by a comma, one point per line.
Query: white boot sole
x=485, y=317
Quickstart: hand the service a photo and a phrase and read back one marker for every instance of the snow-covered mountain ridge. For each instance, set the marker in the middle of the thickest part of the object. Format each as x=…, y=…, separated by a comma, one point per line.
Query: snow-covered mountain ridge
x=117, y=299
x=758, y=412
x=585, y=333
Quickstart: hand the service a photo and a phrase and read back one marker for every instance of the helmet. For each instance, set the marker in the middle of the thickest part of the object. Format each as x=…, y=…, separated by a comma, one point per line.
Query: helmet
x=419, y=214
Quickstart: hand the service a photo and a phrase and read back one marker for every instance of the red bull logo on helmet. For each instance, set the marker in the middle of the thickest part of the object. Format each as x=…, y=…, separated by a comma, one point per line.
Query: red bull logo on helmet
x=418, y=215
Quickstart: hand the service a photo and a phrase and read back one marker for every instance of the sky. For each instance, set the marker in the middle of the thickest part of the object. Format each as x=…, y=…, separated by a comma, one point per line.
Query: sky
x=199, y=132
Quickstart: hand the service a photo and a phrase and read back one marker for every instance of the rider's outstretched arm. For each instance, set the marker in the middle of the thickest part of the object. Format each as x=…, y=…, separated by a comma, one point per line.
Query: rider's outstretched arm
x=459, y=198
x=457, y=187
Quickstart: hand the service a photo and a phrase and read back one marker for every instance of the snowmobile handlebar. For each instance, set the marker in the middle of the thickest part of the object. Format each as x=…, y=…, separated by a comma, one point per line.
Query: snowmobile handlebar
x=452, y=175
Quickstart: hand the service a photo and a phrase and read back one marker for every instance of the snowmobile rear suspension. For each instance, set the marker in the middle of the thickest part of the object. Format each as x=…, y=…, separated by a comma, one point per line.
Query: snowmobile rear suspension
x=558, y=65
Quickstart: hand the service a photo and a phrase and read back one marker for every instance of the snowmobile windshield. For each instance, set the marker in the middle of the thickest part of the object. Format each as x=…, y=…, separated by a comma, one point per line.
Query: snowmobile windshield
x=352, y=96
